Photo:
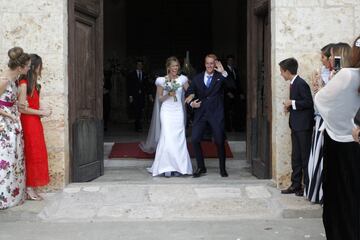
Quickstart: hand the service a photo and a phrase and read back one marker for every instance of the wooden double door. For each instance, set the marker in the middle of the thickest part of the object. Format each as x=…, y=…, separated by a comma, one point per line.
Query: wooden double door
x=85, y=89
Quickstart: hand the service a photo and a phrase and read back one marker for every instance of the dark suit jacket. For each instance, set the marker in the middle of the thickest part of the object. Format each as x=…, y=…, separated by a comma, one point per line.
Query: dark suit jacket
x=136, y=88
x=302, y=118
x=212, y=98
x=232, y=84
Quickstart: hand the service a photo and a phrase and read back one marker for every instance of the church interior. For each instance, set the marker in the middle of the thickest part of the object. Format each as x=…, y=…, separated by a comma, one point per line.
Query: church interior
x=151, y=31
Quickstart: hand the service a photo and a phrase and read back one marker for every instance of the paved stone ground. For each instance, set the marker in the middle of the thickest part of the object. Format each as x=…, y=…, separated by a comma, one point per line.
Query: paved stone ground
x=128, y=203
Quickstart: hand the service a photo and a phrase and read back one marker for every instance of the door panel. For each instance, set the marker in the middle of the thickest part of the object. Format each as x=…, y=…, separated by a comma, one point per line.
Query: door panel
x=259, y=82
x=85, y=89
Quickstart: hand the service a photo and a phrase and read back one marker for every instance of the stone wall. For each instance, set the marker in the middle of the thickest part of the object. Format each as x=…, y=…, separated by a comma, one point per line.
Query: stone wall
x=41, y=27
x=300, y=28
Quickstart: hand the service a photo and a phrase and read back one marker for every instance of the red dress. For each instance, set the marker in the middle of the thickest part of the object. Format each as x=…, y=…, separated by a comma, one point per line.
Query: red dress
x=36, y=158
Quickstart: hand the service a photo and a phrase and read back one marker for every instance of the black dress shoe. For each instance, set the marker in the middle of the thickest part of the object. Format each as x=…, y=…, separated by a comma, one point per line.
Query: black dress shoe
x=224, y=173
x=299, y=193
x=198, y=172
x=290, y=190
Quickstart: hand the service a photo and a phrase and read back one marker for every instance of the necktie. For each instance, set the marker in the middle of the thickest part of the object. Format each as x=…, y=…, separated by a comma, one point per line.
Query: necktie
x=139, y=75
x=208, y=81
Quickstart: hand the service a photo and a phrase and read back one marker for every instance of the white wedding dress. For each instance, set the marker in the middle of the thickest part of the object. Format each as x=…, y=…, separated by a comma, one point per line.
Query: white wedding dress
x=171, y=151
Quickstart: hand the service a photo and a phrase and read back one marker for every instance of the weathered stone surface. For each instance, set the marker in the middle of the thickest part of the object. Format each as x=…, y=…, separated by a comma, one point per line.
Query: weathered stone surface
x=300, y=29
x=41, y=27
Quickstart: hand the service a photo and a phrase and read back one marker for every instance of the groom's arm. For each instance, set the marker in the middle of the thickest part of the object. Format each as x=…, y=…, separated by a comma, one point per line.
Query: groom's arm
x=190, y=93
x=191, y=96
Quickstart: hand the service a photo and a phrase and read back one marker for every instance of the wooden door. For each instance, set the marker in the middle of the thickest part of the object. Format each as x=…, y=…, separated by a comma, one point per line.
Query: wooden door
x=259, y=88
x=85, y=89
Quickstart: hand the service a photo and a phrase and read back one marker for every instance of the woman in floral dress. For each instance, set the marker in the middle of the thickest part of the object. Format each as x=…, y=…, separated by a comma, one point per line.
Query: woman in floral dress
x=12, y=167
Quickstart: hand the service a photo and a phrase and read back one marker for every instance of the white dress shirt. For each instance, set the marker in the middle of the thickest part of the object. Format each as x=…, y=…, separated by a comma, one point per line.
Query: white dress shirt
x=293, y=101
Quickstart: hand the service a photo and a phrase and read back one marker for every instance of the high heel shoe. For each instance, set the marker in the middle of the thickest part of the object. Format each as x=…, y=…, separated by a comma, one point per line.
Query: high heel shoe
x=32, y=195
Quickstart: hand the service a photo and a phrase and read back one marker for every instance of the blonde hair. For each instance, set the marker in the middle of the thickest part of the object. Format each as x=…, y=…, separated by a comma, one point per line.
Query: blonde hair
x=343, y=50
x=170, y=60
x=211, y=55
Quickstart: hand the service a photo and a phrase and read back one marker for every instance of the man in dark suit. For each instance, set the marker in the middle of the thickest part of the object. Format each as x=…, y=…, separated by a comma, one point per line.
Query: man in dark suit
x=232, y=95
x=137, y=85
x=301, y=122
x=208, y=104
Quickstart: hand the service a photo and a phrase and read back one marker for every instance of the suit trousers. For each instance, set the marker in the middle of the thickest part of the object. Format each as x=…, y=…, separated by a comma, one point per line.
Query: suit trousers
x=218, y=133
x=301, y=145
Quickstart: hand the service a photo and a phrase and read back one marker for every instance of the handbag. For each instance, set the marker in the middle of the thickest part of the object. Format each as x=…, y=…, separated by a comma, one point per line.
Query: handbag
x=357, y=117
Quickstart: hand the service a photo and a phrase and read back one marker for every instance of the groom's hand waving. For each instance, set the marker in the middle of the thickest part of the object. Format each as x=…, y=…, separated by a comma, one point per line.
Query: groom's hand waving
x=219, y=67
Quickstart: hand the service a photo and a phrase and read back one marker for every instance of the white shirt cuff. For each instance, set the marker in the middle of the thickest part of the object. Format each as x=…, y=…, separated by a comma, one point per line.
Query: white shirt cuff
x=224, y=73
x=293, y=104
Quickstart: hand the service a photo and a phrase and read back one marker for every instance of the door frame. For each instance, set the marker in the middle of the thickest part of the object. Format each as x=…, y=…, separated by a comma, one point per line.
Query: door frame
x=261, y=167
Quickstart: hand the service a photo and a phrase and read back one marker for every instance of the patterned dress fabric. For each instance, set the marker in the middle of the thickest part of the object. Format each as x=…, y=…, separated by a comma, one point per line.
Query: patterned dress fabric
x=12, y=165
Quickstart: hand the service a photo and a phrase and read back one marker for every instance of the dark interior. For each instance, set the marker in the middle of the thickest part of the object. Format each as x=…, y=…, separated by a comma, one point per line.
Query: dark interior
x=154, y=30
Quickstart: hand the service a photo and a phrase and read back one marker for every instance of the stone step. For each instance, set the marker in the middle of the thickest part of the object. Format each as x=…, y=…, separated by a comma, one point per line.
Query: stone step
x=103, y=202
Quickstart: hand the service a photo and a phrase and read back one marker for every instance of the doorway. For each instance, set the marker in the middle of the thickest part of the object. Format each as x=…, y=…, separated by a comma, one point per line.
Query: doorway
x=107, y=37
x=154, y=30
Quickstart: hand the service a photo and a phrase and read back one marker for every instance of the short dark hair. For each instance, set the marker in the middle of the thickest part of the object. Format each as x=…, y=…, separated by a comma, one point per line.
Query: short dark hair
x=289, y=64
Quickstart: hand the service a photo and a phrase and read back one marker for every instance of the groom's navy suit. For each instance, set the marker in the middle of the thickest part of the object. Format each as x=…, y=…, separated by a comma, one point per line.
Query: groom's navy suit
x=211, y=111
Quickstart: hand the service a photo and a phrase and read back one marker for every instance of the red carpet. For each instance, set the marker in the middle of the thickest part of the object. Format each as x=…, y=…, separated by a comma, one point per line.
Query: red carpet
x=132, y=150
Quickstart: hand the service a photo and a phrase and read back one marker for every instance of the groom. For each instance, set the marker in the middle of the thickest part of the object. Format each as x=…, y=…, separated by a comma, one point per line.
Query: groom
x=206, y=91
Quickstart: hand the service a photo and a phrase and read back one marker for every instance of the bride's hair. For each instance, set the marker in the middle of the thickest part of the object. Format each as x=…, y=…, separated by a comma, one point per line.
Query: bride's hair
x=169, y=61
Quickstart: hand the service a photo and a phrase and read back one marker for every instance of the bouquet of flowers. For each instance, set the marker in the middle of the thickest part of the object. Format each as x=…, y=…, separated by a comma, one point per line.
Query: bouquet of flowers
x=171, y=86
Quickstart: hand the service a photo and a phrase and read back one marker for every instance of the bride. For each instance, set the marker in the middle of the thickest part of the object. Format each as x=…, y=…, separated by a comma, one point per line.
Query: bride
x=167, y=128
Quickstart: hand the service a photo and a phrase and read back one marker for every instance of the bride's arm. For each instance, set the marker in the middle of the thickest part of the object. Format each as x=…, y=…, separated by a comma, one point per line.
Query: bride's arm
x=186, y=86
x=160, y=92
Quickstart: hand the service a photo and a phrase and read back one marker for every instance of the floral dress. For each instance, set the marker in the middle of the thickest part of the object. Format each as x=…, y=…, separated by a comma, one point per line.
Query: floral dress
x=12, y=165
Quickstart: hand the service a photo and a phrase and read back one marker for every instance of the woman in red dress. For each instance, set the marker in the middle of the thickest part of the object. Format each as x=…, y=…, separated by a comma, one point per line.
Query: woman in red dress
x=36, y=159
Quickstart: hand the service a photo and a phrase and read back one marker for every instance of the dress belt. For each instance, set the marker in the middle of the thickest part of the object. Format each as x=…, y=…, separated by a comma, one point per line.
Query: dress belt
x=6, y=104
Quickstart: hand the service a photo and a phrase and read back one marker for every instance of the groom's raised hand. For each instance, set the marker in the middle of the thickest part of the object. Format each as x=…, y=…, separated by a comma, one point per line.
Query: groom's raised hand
x=219, y=67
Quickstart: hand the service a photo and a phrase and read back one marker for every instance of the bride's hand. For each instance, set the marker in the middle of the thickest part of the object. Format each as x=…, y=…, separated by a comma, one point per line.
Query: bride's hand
x=195, y=104
x=171, y=93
